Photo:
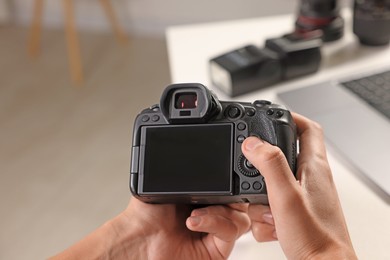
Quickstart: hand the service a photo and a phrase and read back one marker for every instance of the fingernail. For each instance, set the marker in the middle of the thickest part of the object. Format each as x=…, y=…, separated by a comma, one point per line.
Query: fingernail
x=268, y=218
x=252, y=143
x=195, y=221
x=199, y=212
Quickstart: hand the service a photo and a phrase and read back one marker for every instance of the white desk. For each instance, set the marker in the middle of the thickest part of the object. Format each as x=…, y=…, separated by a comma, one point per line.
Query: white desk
x=190, y=47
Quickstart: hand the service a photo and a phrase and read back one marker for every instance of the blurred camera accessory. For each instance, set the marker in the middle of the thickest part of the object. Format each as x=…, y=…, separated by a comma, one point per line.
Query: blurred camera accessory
x=371, y=21
x=321, y=15
x=250, y=68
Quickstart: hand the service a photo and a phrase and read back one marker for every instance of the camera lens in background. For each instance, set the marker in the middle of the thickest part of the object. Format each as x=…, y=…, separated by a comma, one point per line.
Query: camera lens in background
x=371, y=21
x=186, y=100
x=321, y=15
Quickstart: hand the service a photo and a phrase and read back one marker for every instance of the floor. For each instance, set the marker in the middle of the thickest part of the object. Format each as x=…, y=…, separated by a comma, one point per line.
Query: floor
x=64, y=150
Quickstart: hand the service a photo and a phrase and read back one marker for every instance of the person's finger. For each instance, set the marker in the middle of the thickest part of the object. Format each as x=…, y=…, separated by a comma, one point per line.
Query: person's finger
x=224, y=223
x=261, y=213
x=263, y=225
x=271, y=163
x=243, y=207
x=283, y=190
x=263, y=232
x=311, y=138
x=313, y=164
x=218, y=226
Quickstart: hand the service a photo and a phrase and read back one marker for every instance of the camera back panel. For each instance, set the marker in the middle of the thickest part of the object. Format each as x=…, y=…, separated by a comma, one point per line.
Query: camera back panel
x=200, y=161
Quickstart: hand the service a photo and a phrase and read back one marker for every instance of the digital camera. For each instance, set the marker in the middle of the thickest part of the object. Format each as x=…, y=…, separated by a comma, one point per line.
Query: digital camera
x=187, y=149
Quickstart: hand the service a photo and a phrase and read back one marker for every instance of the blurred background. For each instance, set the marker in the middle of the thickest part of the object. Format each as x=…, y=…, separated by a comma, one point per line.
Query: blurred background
x=65, y=145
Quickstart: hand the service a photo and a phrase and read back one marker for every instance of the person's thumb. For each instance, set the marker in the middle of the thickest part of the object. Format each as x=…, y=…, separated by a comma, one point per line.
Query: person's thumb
x=273, y=165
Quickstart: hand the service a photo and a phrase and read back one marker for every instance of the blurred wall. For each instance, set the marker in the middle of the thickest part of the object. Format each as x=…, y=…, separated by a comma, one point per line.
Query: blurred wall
x=4, y=12
x=152, y=16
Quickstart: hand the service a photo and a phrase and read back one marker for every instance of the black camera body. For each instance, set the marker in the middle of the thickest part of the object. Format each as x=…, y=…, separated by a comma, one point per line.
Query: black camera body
x=188, y=148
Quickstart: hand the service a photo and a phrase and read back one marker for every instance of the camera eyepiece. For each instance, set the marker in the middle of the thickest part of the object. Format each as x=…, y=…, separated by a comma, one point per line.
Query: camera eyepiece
x=186, y=100
x=189, y=103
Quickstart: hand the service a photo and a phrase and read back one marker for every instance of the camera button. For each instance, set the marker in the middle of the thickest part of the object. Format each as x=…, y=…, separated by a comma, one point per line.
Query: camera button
x=250, y=112
x=257, y=185
x=145, y=118
x=249, y=164
x=279, y=114
x=240, y=138
x=241, y=126
x=245, y=185
x=234, y=112
x=270, y=112
x=155, y=118
x=155, y=108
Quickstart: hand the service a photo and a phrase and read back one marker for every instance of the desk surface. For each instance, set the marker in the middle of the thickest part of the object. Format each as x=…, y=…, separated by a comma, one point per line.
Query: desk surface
x=191, y=46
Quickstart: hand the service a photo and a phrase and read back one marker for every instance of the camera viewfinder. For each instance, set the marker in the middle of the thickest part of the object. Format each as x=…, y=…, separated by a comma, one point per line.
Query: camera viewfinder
x=186, y=100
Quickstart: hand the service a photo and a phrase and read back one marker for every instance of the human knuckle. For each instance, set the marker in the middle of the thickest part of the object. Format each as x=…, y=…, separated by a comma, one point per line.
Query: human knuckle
x=241, y=221
x=315, y=126
x=273, y=154
x=259, y=233
x=255, y=209
x=209, y=222
x=245, y=223
x=322, y=164
x=217, y=210
x=241, y=207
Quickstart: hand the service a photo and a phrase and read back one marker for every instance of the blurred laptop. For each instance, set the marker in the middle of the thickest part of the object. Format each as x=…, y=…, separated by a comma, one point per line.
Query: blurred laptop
x=355, y=115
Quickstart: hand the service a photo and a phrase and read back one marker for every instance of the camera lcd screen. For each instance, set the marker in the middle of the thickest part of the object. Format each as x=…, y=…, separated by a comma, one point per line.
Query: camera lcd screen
x=187, y=158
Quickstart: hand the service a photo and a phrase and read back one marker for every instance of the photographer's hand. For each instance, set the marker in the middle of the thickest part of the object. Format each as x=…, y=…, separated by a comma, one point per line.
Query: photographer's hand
x=306, y=217
x=152, y=231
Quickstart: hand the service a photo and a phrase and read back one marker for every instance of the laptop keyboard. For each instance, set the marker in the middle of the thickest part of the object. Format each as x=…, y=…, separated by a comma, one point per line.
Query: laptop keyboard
x=374, y=90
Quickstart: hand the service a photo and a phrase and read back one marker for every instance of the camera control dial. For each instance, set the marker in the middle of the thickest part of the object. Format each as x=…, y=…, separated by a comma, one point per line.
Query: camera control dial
x=246, y=168
x=260, y=103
